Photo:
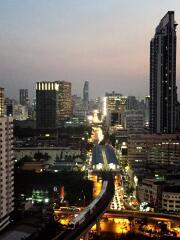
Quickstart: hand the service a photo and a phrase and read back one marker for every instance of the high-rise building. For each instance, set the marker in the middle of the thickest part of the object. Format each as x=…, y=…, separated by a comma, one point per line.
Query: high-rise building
x=2, y=102
x=115, y=102
x=86, y=95
x=178, y=117
x=53, y=104
x=9, y=103
x=20, y=112
x=23, y=97
x=46, y=105
x=115, y=106
x=134, y=121
x=146, y=111
x=132, y=103
x=64, y=101
x=163, y=95
x=6, y=169
x=78, y=108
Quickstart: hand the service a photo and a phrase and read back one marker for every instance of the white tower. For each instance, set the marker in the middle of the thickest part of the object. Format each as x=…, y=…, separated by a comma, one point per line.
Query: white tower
x=6, y=167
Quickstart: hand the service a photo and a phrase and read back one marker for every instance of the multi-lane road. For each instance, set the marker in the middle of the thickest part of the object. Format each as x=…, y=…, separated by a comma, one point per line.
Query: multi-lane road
x=104, y=159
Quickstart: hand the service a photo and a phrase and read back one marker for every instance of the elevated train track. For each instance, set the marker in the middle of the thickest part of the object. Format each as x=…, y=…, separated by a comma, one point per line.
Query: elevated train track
x=86, y=219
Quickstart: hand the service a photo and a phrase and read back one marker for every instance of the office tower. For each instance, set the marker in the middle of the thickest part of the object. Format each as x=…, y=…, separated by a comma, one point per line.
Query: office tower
x=86, y=95
x=115, y=108
x=115, y=102
x=132, y=103
x=20, y=112
x=163, y=95
x=6, y=169
x=53, y=104
x=9, y=103
x=46, y=105
x=134, y=121
x=2, y=102
x=23, y=97
x=78, y=108
x=64, y=102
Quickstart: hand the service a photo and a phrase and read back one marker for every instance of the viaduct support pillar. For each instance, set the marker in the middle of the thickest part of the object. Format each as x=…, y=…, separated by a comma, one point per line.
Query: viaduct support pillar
x=98, y=228
x=86, y=236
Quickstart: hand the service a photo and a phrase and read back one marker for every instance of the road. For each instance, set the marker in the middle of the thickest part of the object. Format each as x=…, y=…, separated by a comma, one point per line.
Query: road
x=105, y=161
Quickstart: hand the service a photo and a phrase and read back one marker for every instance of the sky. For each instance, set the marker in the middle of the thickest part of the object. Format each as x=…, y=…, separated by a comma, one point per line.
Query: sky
x=103, y=41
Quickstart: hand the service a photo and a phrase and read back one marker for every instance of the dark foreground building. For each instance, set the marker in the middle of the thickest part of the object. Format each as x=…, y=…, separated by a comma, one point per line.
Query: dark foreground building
x=53, y=104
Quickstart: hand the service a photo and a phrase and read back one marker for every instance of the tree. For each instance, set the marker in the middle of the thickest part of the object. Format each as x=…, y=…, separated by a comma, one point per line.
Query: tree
x=46, y=156
x=26, y=158
x=38, y=156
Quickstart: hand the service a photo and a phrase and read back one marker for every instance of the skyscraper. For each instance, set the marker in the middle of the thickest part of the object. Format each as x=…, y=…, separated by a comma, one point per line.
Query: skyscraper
x=86, y=95
x=64, y=101
x=46, y=104
x=6, y=169
x=23, y=97
x=163, y=95
x=2, y=102
x=115, y=108
x=53, y=104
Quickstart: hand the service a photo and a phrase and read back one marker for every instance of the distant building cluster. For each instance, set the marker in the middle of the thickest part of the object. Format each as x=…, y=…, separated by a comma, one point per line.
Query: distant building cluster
x=126, y=113
x=162, y=195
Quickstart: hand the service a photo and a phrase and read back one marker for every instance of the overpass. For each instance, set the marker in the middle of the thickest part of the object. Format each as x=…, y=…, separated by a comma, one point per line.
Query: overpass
x=133, y=214
x=139, y=214
x=91, y=218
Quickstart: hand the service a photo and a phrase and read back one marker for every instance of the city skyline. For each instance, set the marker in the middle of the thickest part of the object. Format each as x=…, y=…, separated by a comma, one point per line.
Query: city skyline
x=105, y=43
x=92, y=148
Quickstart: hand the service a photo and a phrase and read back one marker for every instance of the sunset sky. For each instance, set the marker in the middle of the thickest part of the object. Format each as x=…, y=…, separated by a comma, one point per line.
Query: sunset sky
x=103, y=41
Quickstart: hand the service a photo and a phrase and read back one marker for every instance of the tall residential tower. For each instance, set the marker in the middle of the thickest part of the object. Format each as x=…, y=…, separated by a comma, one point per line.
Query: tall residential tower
x=163, y=95
x=6, y=165
x=2, y=102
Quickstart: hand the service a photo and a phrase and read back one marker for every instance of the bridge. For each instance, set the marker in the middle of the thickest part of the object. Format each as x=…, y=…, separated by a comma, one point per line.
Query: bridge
x=93, y=215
